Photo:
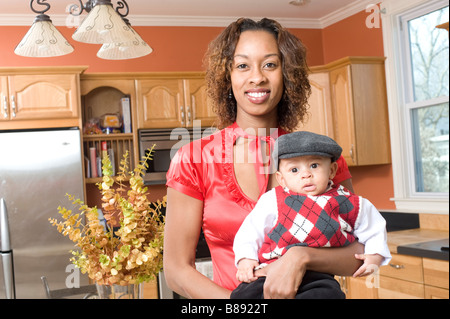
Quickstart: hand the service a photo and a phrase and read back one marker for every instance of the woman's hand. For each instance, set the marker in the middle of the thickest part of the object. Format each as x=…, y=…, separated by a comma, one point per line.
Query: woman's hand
x=284, y=276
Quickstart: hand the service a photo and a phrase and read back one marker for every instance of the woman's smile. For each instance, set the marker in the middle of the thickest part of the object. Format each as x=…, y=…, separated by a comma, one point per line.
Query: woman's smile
x=258, y=96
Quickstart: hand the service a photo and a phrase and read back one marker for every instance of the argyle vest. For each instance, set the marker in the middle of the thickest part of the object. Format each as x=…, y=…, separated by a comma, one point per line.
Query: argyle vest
x=327, y=220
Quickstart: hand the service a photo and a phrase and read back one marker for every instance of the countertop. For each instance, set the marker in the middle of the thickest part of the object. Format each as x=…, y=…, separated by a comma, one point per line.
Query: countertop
x=412, y=242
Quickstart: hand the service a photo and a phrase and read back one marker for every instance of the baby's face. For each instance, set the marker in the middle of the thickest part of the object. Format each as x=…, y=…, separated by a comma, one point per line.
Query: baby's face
x=307, y=175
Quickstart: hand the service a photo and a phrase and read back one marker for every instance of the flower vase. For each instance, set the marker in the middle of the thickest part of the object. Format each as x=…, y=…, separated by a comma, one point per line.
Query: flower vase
x=131, y=291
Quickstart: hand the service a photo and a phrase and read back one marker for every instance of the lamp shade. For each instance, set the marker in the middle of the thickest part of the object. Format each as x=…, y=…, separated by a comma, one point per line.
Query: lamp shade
x=103, y=25
x=125, y=50
x=43, y=40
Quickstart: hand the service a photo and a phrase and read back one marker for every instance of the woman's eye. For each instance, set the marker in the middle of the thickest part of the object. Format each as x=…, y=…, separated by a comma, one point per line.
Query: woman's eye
x=271, y=65
x=241, y=66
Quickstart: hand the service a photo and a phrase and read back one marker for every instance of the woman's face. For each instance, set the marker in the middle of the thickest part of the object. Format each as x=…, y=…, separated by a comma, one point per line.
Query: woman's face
x=256, y=74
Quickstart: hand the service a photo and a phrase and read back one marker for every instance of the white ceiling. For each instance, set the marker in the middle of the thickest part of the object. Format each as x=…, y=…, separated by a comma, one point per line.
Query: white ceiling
x=313, y=14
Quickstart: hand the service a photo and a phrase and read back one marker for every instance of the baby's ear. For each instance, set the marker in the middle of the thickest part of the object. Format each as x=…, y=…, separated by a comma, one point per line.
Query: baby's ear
x=333, y=169
x=280, y=179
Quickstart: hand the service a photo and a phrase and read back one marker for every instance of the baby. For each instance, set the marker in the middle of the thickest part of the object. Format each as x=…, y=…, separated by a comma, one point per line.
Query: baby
x=306, y=209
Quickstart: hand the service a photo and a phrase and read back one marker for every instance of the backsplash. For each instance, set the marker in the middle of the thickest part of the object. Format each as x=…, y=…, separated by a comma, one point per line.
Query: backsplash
x=400, y=221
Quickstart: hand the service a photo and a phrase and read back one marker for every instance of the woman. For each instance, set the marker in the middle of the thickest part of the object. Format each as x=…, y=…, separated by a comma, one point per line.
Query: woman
x=257, y=80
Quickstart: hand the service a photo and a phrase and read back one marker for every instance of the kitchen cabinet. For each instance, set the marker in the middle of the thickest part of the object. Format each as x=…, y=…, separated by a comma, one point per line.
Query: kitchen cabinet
x=358, y=288
x=173, y=100
x=319, y=119
x=436, y=278
x=406, y=277
x=402, y=278
x=359, y=109
x=40, y=97
x=101, y=94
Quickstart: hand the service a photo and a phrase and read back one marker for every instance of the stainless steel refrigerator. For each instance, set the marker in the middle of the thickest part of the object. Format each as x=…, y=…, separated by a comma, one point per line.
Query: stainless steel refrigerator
x=37, y=169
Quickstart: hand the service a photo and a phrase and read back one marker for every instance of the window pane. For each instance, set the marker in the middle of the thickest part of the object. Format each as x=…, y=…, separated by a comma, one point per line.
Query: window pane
x=429, y=55
x=430, y=132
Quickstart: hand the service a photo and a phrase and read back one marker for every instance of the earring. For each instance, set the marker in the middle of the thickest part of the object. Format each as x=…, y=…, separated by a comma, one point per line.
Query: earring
x=230, y=95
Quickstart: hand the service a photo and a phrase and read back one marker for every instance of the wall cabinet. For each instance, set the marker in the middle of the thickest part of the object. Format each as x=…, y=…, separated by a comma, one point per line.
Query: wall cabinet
x=29, y=95
x=173, y=100
x=359, y=110
x=319, y=119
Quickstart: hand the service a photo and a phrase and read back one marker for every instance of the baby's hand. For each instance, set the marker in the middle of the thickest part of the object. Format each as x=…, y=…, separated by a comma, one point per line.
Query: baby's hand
x=245, y=270
x=370, y=265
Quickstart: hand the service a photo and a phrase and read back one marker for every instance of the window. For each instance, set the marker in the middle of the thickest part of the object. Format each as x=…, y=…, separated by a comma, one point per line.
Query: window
x=418, y=81
x=427, y=47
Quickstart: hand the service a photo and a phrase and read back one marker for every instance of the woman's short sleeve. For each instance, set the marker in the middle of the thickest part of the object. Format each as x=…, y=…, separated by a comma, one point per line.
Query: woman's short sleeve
x=184, y=175
x=342, y=173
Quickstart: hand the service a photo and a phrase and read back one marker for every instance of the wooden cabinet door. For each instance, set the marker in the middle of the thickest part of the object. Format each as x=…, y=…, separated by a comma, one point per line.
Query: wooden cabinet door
x=435, y=273
x=362, y=287
x=343, y=116
x=360, y=114
x=392, y=288
x=319, y=118
x=436, y=293
x=196, y=103
x=43, y=96
x=160, y=103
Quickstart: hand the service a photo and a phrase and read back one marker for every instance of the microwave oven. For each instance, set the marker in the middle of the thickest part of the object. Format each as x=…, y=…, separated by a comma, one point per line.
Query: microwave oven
x=167, y=142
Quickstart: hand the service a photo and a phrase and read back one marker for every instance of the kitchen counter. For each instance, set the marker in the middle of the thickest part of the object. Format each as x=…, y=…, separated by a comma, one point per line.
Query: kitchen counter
x=419, y=242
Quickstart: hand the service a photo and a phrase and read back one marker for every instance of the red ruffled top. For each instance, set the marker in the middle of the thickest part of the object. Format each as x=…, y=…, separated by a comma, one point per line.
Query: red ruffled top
x=204, y=170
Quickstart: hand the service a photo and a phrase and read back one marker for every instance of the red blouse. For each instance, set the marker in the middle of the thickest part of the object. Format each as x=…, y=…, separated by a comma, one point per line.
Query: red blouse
x=204, y=170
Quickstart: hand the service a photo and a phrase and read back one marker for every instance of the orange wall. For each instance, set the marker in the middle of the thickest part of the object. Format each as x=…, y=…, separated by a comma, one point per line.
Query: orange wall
x=175, y=49
x=182, y=49
x=350, y=36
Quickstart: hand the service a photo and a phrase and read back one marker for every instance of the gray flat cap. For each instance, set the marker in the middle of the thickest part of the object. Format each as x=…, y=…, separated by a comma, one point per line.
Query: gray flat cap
x=307, y=143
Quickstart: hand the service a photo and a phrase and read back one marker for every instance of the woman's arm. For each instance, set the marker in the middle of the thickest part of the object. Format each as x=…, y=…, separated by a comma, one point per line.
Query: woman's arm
x=182, y=230
x=285, y=275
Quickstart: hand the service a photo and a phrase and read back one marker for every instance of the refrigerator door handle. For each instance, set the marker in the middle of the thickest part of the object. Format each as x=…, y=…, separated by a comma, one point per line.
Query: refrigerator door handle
x=5, y=242
x=6, y=253
x=8, y=275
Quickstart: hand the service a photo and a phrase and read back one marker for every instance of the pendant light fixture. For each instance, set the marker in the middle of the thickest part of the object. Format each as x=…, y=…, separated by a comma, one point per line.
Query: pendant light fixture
x=43, y=39
x=103, y=24
x=129, y=49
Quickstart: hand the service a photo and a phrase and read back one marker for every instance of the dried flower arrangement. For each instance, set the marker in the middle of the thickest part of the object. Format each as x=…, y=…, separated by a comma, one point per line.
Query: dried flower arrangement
x=133, y=253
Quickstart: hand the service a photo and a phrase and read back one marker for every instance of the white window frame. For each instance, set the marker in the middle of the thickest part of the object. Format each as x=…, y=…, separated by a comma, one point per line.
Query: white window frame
x=394, y=13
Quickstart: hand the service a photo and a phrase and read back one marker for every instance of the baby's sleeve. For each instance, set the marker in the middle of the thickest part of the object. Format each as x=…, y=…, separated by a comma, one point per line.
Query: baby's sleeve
x=256, y=225
x=370, y=229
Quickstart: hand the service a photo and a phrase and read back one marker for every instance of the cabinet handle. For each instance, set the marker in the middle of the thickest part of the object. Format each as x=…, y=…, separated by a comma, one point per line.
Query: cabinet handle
x=352, y=153
x=5, y=107
x=397, y=266
x=188, y=110
x=182, y=115
x=13, y=105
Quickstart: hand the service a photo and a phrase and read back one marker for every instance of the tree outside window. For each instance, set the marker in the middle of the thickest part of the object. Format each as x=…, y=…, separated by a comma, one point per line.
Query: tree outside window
x=428, y=100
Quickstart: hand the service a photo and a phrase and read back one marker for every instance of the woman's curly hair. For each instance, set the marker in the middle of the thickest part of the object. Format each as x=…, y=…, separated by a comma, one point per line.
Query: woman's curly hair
x=292, y=108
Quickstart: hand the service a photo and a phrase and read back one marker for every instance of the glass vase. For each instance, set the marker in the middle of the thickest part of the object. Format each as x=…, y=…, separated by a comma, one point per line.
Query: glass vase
x=132, y=291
